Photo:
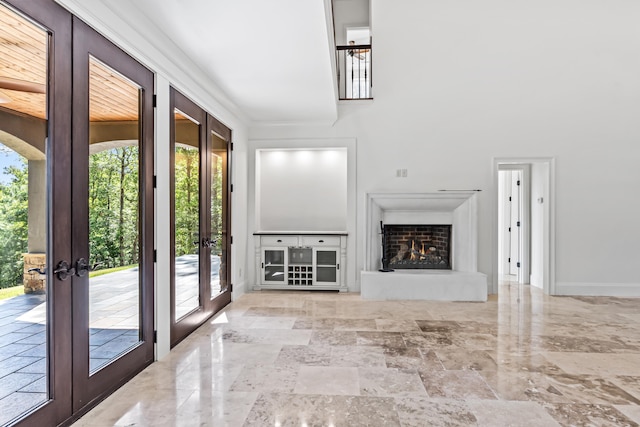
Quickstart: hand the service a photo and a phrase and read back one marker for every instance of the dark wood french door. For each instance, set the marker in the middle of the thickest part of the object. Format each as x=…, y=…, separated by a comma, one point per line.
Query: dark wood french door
x=112, y=216
x=46, y=28
x=80, y=113
x=200, y=213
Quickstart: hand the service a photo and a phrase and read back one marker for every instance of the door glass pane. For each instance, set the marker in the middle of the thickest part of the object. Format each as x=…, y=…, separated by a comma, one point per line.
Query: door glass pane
x=187, y=215
x=326, y=257
x=23, y=216
x=114, y=215
x=218, y=215
x=274, y=256
x=274, y=273
x=326, y=274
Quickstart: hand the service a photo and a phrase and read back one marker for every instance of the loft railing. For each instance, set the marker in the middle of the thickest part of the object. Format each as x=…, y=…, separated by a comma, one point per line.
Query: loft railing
x=354, y=71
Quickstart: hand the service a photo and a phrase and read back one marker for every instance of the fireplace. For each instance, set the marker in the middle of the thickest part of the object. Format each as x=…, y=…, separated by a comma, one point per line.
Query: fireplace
x=457, y=279
x=422, y=246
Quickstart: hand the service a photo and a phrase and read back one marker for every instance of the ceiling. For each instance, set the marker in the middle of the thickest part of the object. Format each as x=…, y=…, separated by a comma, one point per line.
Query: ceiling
x=272, y=59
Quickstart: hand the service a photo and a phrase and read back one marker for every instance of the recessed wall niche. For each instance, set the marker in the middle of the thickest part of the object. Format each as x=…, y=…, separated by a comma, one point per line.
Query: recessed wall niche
x=301, y=189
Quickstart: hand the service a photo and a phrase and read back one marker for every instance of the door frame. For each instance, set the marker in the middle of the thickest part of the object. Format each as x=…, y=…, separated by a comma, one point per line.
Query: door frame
x=88, y=389
x=548, y=232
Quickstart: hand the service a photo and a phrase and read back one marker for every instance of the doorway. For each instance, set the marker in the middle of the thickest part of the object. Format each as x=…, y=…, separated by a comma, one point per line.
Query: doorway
x=523, y=222
x=514, y=226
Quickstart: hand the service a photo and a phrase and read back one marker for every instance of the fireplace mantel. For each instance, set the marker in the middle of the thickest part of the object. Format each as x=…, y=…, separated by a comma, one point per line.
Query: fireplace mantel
x=458, y=209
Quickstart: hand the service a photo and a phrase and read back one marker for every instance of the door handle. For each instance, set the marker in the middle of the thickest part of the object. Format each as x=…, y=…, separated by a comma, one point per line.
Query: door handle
x=83, y=267
x=64, y=270
x=37, y=270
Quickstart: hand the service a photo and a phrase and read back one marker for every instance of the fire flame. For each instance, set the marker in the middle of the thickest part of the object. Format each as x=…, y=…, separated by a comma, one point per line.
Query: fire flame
x=418, y=255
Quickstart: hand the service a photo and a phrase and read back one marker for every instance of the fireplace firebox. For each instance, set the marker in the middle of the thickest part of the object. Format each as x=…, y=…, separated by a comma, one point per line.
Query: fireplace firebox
x=418, y=246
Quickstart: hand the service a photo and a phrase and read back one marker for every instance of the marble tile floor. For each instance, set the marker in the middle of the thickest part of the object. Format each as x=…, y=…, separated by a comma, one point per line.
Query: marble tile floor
x=304, y=358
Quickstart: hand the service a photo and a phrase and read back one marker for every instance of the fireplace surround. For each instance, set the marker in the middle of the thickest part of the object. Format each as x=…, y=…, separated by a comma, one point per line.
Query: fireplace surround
x=457, y=210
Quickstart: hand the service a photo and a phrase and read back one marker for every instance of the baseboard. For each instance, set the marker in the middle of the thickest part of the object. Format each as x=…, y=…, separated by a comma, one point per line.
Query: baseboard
x=598, y=289
x=239, y=289
x=536, y=281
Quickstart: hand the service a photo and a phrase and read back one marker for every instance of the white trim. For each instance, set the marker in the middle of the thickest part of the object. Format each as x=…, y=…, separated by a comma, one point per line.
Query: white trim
x=162, y=221
x=239, y=289
x=598, y=289
x=328, y=7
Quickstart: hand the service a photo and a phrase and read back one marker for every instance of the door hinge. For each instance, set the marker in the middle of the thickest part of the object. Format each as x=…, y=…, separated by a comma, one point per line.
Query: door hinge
x=230, y=287
x=231, y=240
x=518, y=182
x=508, y=259
x=155, y=336
x=518, y=223
x=155, y=181
x=509, y=198
x=231, y=188
x=518, y=264
x=155, y=100
x=232, y=146
x=155, y=255
x=509, y=229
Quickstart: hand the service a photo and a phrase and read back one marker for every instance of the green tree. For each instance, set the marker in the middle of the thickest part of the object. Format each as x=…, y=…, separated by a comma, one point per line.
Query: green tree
x=187, y=221
x=13, y=224
x=113, y=207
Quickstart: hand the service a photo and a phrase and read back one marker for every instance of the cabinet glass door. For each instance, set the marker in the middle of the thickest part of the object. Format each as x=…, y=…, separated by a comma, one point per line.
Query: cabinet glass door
x=326, y=266
x=274, y=265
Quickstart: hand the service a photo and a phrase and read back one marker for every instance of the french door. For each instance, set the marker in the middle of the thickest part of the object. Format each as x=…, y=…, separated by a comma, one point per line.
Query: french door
x=35, y=127
x=200, y=243
x=112, y=215
x=77, y=114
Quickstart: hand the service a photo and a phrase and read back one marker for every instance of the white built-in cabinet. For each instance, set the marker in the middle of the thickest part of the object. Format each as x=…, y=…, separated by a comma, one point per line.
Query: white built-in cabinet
x=301, y=261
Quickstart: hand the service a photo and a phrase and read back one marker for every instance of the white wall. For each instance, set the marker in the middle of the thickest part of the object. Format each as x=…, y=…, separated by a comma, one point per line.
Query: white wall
x=349, y=13
x=458, y=83
x=301, y=190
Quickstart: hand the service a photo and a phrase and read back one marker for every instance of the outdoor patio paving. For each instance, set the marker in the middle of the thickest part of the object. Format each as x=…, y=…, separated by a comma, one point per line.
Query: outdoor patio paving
x=113, y=329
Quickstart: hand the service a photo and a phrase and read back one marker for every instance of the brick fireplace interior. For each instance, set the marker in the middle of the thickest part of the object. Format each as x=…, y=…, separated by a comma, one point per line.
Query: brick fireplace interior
x=421, y=246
